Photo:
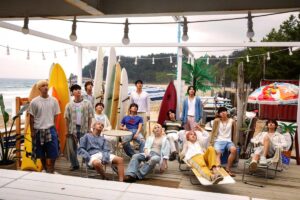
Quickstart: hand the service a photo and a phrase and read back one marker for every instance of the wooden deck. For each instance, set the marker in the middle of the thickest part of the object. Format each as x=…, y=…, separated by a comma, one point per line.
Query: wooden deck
x=285, y=186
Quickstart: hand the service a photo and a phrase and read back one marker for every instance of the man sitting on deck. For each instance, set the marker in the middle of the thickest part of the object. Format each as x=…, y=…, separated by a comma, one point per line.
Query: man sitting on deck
x=95, y=150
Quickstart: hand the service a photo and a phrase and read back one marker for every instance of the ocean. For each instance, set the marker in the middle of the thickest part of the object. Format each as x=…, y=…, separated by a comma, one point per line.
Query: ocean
x=12, y=88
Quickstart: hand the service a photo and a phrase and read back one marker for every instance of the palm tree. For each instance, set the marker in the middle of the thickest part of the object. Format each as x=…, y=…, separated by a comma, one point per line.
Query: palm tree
x=200, y=75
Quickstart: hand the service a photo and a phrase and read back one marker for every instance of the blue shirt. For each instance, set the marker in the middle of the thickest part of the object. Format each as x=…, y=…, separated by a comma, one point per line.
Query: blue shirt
x=132, y=122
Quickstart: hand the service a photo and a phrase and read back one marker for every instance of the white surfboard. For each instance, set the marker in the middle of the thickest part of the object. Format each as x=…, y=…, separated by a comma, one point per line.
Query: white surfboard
x=112, y=60
x=123, y=96
x=98, y=78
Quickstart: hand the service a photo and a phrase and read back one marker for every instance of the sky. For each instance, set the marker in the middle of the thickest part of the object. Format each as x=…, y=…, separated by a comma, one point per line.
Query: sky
x=16, y=65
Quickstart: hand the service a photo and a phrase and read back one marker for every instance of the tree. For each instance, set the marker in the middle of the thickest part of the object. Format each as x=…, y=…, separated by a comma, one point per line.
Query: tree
x=200, y=75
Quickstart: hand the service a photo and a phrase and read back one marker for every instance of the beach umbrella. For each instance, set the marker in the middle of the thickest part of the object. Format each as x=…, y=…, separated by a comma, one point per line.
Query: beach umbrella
x=275, y=94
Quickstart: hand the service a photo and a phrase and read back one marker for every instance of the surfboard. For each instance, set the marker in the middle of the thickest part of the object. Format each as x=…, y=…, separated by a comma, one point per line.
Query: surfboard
x=115, y=97
x=98, y=78
x=110, y=74
x=169, y=101
x=58, y=80
x=27, y=162
x=52, y=92
x=123, y=96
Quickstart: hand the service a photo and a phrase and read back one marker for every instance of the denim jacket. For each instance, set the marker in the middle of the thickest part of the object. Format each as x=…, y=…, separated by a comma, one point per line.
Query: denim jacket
x=90, y=145
x=165, y=149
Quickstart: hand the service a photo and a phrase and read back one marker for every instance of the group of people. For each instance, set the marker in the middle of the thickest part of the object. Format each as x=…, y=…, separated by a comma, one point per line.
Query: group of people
x=183, y=138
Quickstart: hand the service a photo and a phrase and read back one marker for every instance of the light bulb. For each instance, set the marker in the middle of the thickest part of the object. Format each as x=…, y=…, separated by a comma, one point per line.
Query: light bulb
x=73, y=36
x=25, y=28
x=250, y=32
x=135, y=62
x=247, y=58
x=171, y=61
x=125, y=39
x=268, y=56
x=185, y=36
x=290, y=51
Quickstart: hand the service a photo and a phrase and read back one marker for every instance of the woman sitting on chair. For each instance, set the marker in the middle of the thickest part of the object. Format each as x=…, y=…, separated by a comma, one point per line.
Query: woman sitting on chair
x=204, y=161
x=266, y=143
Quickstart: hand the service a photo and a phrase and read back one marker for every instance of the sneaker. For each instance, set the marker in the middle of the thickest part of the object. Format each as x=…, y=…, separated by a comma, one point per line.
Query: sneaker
x=253, y=166
x=129, y=179
x=263, y=160
x=43, y=171
x=173, y=156
x=216, y=178
x=74, y=168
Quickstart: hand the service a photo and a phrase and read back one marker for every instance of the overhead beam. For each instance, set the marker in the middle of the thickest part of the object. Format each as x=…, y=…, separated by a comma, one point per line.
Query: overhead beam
x=85, y=7
x=241, y=44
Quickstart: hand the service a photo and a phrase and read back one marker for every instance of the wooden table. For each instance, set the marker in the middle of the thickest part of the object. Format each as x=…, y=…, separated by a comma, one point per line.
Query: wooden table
x=118, y=134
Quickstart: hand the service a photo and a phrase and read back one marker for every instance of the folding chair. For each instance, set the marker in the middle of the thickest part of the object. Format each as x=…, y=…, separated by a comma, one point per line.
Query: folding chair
x=87, y=171
x=272, y=165
x=203, y=181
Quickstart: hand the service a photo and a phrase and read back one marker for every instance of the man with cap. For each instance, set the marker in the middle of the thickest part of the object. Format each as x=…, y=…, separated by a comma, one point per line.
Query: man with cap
x=78, y=115
x=142, y=99
x=43, y=112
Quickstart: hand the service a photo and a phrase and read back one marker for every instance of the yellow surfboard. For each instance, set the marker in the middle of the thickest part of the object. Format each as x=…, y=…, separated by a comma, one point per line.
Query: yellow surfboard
x=27, y=162
x=58, y=80
x=115, y=97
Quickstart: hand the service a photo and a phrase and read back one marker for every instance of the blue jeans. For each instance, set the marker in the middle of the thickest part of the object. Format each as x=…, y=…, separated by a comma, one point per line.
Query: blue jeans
x=127, y=139
x=72, y=147
x=134, y=168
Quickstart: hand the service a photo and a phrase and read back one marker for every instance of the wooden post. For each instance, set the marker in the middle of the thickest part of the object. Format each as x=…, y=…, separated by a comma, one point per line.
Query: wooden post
x=240, y=99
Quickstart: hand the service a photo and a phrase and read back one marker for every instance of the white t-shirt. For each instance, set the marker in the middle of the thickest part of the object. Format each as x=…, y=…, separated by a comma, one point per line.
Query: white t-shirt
x=78, y=110
x=191, y=106
x=103, y=118
x=225, y=131
x=193, y=149
x=44, y=110
x=142, y=100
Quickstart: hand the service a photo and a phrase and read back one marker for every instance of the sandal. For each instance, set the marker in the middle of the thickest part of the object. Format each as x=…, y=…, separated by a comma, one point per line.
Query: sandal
x=230, y=173
x=216, y=178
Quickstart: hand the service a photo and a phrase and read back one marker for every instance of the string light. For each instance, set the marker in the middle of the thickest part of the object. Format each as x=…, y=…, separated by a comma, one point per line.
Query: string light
x=290, y=51
x=268, y=56
x=171, y=61
x=247, y=59
x=73, y=36
x=54, y=55
x=135, y=61
x=43, y=55
x=189, y=60
x=28, y=55
x=227, y=60
x=153, y=61
x=250, y=32
x=126, y=39
x=66, y=53
x=119, y=59
x=7, y=50
x=25, y=28
x=185, y=36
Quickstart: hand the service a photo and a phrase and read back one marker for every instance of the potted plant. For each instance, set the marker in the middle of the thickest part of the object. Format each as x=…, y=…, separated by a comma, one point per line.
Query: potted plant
x=7, y=138
x=288, y=130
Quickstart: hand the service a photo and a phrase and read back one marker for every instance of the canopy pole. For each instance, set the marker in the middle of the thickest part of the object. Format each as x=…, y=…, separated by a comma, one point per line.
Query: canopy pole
x=79, y=66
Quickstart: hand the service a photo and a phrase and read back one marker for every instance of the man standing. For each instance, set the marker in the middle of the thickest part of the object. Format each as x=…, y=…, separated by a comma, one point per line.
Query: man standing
x=88, y=86
x=43, y=111
x=142, y=99
x=78, y=115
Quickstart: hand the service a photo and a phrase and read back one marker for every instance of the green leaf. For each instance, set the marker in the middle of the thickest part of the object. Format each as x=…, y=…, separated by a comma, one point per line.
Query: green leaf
x=5, y=117
x=2, y=106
